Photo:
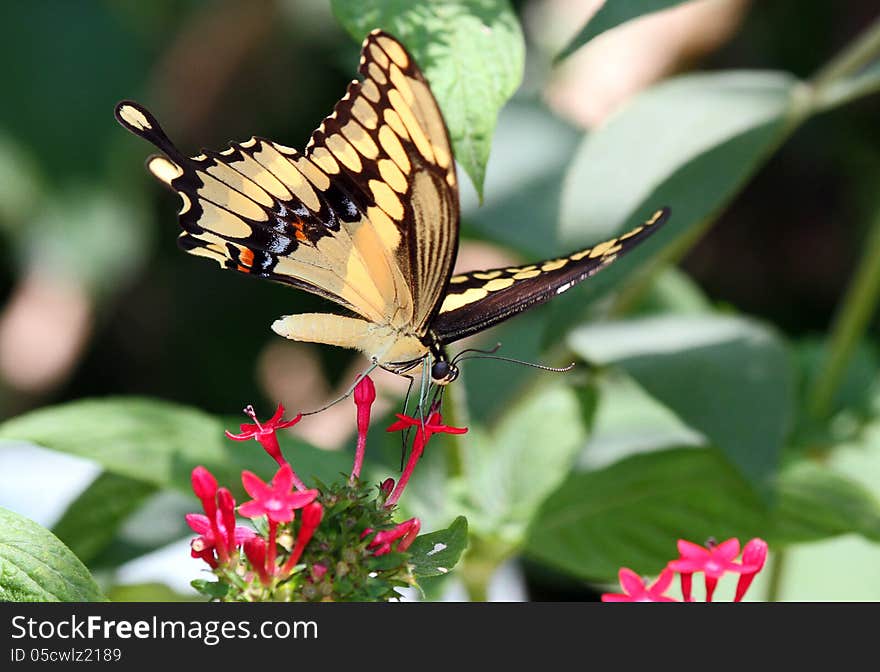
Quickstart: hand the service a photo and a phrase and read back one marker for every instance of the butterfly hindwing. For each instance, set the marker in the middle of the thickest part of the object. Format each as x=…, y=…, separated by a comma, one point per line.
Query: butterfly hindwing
x=480, y=299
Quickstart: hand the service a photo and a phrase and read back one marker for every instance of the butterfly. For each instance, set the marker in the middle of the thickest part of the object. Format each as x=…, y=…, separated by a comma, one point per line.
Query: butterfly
x=366, y=217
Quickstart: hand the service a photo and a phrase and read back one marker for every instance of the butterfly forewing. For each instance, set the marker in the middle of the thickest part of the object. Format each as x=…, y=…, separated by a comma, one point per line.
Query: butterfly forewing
x=366, y=216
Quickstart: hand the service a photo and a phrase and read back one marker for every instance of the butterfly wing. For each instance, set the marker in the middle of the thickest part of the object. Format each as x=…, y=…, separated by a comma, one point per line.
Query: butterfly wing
x=367, y=216
x=480, y=299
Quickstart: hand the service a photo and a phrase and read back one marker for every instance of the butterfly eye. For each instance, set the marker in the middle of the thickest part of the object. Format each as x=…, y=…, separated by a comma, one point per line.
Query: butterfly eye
x=443, y=373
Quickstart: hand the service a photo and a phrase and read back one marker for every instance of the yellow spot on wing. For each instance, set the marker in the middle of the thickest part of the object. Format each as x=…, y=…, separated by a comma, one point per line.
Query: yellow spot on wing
x=393, y=148
x=370, y=90
x=415, y=130
x=364, y=113
x=343, y=151
x=222, y=221
x=376, y=73
x=325, y=160
x=455, y=301
x=500, y=283
x=360, y=140
x=134, y=118
x=392, y=175
x=602, y=248
x=554, y=265
x=525, y=275
x=379, y=56
x=220, y=193
x=394, y=50
x=386, y=199
x=487, y=276
x=238, y=181
x=385, y=227
x=393, y=120
x=164, y=170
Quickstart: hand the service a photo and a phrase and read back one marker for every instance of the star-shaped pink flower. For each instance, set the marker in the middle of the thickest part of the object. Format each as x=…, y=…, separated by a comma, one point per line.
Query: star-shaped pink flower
x=274, y=500
x=714, y=560
x=635, y=590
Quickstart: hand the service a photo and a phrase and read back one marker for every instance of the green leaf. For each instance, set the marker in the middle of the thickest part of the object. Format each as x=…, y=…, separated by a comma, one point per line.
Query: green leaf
x=727, y=377
x=817, y=502
x=150, y=592
x=435, y=553
x=689, y=143
x=611, y=14
x=159, y=442
x=631, y=513
x=36, y=567
x=471, y=51
x=92, y=520
x=510, y=471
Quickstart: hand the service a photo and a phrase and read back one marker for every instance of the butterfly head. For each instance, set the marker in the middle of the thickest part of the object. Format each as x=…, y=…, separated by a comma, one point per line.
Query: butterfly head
x=443, y=371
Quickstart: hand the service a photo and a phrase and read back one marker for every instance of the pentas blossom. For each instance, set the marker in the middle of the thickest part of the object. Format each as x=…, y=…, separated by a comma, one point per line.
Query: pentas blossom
x=364, y=396
x=406, y=532
x=635, y=590
x=424, y=431
x=315, y=543
x=265, y=433
x=713, y=560
x=275, y=500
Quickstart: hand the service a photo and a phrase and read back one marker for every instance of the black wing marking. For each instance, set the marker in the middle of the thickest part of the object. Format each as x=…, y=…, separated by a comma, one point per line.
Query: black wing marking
x=480, y=299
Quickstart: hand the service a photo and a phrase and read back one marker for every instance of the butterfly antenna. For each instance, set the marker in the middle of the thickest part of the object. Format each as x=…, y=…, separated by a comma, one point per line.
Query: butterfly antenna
x=534, y=365
x=491, y=351
x=347, y=393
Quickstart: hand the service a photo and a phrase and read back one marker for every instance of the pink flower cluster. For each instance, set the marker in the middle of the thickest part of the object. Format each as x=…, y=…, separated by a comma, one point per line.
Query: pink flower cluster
x=220, y=538
x=713, y=560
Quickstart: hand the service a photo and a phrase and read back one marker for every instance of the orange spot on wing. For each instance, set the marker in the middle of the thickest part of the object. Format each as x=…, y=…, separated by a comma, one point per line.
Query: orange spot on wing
x=246, y=256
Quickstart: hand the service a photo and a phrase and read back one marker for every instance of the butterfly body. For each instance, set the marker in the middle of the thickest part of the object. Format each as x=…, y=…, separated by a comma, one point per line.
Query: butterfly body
x=366, y=217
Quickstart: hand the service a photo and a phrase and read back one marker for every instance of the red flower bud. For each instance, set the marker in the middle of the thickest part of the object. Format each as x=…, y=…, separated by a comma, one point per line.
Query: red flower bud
x=255, y=551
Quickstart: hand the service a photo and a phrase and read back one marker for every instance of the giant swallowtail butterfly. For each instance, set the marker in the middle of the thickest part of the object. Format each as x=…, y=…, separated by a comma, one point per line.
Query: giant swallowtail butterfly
x=367, y=217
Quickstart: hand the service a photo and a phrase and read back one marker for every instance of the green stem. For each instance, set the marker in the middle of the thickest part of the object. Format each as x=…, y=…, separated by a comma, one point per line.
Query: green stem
x=850, y=324
x=455, y=414
x=853, y=58
x=482, y=560
x=775, y=585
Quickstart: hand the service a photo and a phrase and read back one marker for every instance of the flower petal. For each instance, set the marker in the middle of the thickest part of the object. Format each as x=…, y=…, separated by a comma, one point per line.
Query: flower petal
x=198, y=523
x=282, y=482
x=727, y=550
x=254, y=485
x=631, y=582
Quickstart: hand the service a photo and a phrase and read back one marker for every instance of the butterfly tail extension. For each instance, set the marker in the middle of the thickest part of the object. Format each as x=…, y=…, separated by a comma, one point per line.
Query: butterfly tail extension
x=480, y=299
x=140, y=121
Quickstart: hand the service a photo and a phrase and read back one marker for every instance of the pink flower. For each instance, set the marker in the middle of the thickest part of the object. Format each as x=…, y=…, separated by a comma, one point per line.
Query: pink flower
x=364, y=396
x=634, y=589
x=406, y=532
x=433, y=425
x=274, y=500
x=754, y=556
x=265, y=434
x=318, y=571
x=714, y=560
x=311, y=518
x=255, y=550
x=205, y=544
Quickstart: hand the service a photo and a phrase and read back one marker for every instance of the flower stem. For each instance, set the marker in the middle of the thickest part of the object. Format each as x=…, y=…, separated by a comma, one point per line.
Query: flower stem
x=482, y=560
x=855, y=56
x=850, y=325
x=775, y=582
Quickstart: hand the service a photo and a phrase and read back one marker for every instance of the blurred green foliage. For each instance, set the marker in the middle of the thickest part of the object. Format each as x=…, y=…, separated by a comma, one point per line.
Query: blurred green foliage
x=727, y=378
